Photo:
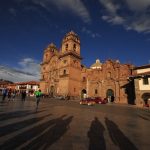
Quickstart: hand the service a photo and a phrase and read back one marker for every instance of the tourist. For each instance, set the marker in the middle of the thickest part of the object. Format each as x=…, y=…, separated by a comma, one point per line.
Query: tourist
x=9, y=95
x=23, y=95
x=4, y=93
x=13, y=95
x=38, y=95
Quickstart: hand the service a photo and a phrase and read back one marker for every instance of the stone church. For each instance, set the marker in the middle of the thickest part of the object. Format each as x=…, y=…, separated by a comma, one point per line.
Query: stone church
x=62, y=74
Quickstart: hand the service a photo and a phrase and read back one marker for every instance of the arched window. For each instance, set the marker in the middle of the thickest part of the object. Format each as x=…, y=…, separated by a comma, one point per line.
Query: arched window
x=74, y=47
x=96, y=91
x=66, y=47
x=84, y=79
x=46, y=56
x=64, y=72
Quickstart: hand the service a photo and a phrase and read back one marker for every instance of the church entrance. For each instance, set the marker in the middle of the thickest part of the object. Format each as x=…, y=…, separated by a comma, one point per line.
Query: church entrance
x=83, y=92
x=110, y=95
x=52, y=91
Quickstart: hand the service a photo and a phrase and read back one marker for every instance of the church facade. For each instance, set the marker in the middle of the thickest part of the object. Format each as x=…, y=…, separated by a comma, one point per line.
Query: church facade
x=62, y=74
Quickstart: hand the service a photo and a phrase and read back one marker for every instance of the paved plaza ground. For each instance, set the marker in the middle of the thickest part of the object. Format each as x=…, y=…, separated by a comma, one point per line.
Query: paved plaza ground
x=66, y=125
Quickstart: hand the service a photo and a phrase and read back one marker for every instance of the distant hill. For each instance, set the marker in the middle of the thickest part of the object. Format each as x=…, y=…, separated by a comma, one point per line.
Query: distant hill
x=14, y=75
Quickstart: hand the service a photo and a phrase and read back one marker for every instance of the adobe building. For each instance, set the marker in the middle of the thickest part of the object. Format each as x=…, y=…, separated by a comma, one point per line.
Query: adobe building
x=63, y=74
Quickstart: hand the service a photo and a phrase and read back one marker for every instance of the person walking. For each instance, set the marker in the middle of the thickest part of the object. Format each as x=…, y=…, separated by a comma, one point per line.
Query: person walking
x=13, y=95
x=9, y=95
x=38, y=95
x=4, y=94
x=23, y=95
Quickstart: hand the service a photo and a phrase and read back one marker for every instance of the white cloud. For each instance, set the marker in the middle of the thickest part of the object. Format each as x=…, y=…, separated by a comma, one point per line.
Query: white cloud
x=109, y=5
x=29, y=65
x=138, y=19
x=138, y=5
x=70, y=6
x=141, y=24
x=90, y=33
x=114, y=19
x=29, y=70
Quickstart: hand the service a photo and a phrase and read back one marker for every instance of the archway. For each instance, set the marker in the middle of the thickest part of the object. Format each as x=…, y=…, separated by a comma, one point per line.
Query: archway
x=83, y=92
x=145, y=97
x=110, y=94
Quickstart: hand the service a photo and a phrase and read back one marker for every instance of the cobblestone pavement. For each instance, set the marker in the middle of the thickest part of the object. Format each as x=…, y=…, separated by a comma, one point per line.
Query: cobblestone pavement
x=66, y=125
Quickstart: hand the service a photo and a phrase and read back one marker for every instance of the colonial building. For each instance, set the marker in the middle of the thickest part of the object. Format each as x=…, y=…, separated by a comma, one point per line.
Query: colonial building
x=29, y=86
x=141, y=79
x=63, y=74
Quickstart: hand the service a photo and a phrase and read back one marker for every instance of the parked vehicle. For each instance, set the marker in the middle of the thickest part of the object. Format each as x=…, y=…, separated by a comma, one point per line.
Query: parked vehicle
x=92, y=101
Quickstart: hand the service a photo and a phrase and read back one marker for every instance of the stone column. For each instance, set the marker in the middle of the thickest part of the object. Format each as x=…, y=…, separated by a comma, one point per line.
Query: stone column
x=117, y=88
x=87, y=87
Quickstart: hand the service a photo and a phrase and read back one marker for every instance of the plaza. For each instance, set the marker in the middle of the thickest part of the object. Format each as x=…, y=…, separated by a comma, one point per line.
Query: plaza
x=66, y=125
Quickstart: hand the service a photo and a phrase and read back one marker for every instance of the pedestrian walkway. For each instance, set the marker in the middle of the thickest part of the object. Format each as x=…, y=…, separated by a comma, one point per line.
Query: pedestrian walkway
x=61, y=125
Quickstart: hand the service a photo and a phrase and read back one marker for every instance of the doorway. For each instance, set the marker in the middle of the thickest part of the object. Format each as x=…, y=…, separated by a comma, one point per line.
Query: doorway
x=52, y=91
x=83, y=92
x=110, y=94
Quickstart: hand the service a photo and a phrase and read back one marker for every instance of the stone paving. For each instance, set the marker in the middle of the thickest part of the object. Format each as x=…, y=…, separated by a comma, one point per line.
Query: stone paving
x=66, y=125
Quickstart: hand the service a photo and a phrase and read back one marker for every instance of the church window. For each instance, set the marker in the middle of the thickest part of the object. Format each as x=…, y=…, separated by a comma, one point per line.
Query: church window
x=109, y=75
x=84, y=79
x=65, y=61
x=96, y=91
x=66, y=47
x=64, y=72
x=46, y=56
x=74, y=47
x=145, y=81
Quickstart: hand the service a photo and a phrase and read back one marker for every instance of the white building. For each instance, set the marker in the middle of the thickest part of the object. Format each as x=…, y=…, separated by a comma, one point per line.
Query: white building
x=29, y=86
x=142, y=84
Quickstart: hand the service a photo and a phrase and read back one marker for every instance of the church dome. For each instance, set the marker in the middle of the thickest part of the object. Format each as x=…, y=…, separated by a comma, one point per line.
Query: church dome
x=96, y=65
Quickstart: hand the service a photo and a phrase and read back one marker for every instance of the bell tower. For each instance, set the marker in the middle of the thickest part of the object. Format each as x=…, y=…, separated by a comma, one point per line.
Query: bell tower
x=49, y=52
x=70, y=68
x=71, y=43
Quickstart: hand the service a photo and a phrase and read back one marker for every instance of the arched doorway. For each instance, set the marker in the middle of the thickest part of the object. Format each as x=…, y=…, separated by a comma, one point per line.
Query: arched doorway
x=110, y=94
x=52, y=91
x=145, y=98
x=83, y=92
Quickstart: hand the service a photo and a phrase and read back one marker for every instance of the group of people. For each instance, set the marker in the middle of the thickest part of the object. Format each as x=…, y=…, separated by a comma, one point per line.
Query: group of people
x=11, y=94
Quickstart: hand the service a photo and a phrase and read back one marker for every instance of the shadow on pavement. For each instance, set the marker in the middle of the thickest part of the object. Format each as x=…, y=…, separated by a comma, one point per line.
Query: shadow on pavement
x=8, y=129
x=118, y=137
x=17, y=114
x=143, y=117
x=96, y=136
x=53, y=134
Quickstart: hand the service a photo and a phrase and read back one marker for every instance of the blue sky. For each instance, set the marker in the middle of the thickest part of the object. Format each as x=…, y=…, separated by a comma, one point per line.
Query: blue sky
x=108, y=29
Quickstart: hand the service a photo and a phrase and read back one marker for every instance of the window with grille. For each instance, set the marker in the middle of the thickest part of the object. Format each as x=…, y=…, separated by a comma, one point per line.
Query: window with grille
x=145, y=81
